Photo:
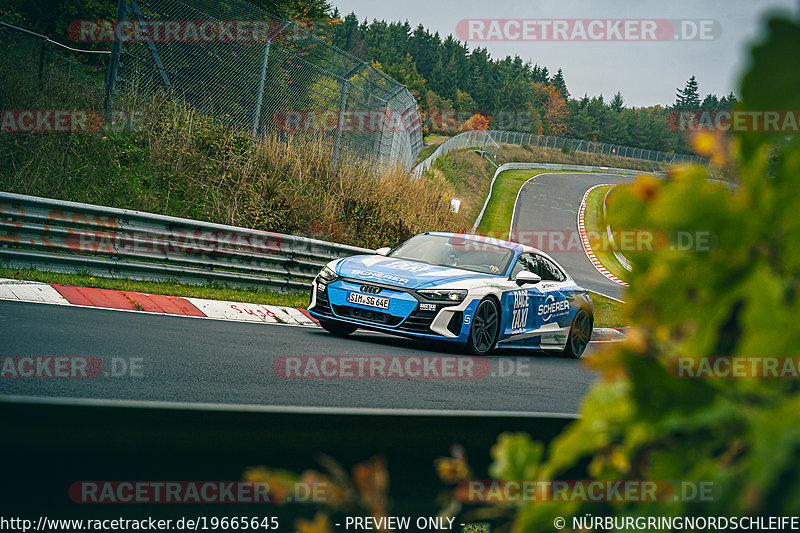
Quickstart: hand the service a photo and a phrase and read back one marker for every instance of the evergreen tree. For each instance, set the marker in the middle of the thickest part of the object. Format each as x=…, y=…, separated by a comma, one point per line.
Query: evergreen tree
x=688, y=98
x=710, y=103
x=617, y=103
x=728, y=102
x=560, y=85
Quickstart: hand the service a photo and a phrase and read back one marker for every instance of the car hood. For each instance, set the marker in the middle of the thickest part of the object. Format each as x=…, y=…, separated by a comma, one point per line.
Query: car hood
x=401, y=272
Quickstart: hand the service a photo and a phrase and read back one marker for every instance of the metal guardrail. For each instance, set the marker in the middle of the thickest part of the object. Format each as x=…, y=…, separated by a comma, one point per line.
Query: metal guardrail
x=482, y=139
x=71, y=237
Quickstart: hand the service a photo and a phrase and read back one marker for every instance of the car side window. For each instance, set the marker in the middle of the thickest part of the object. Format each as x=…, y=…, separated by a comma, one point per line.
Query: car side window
x=547, y=270
x=524, y=262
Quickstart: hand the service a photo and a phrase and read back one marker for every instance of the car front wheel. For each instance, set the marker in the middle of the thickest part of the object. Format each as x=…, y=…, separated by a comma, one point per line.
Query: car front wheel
x=337, y=329
x=485, y=327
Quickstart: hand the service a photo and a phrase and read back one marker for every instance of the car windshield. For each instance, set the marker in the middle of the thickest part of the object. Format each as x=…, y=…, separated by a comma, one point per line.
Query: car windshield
x=456, y=251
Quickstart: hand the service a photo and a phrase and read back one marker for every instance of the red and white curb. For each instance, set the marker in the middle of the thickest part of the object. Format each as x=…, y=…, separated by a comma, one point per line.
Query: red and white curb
x=585, y=240
x=29, y=291
x=35, y=292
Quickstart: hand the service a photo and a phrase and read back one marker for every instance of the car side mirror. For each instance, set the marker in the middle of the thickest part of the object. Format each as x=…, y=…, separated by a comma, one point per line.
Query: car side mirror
x=383, y=251
x=528, y=278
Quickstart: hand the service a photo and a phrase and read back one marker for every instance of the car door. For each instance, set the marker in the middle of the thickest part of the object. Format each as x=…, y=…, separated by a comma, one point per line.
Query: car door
x=553, y=309
x=521, y=304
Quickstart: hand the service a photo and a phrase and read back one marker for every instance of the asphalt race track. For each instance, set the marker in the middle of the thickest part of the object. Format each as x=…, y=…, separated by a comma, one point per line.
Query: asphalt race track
x=550, y=202
x=182, y=359
x=209, y=361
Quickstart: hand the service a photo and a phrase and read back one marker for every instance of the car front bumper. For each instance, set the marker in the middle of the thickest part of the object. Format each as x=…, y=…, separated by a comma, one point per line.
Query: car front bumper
x=409, y=314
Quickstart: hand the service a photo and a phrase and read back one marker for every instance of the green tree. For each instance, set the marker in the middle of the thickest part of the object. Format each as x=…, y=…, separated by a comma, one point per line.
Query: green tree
x=560, y=85
x=710, y=103
x=738, y=298
x=617, y=103
x=689, y=97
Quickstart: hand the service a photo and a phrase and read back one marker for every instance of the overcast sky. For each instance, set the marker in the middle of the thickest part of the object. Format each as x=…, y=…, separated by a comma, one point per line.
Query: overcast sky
x=646, y=73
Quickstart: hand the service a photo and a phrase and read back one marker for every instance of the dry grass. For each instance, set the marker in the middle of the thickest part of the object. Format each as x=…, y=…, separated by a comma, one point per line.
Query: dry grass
x=289, y=185
x=467, y=176
x=181, y=163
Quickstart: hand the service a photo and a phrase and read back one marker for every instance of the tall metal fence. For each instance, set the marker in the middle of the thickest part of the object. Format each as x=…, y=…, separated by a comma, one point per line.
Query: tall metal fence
x=488, y=141
x=31, y=55
x=264, y=75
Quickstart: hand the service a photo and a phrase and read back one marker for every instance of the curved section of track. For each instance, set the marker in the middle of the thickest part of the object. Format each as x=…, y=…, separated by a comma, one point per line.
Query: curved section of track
x=188, y=360
x=550, y=203
x=219, y=362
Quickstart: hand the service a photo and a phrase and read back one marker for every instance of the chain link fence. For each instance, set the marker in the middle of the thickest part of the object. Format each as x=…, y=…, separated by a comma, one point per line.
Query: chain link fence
x=264, y=75
x=488, y=142
x=593, y=147
x=32, y=57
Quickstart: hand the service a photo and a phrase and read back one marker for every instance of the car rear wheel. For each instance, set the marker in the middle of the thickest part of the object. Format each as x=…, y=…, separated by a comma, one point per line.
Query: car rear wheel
x=485, y=327
x=338, y=329
x=579, y=334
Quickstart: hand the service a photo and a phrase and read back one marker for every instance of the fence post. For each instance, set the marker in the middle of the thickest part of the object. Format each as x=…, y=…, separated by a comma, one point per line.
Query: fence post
x=151, y=45
x=113, y=61
x=386, y=118
x=41, y=60
x=337, y=146
x=262, y=80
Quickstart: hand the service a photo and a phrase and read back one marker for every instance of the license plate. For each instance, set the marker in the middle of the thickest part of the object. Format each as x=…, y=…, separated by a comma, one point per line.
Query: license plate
x=368, y=300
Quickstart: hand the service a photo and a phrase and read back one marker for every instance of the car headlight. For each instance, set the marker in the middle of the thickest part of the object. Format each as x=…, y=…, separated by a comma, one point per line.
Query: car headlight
x=327, y=275
x=444, y=295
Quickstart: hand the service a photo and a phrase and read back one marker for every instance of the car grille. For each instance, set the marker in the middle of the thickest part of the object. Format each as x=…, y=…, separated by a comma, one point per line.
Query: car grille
x=323, y=305
x=419, y=322
x=367, y=315
x=455, y=323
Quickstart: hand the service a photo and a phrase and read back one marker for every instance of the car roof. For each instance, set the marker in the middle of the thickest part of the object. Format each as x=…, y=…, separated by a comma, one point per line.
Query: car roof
x=517, y=247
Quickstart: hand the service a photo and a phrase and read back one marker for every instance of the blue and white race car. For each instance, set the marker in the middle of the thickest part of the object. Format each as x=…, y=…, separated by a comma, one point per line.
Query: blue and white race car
x=479, y=292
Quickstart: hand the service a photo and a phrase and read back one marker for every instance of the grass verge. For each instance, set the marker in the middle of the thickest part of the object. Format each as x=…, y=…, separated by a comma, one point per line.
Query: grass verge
x=208, y=292
x=428, y=150
x=497, y=219
x=607, y=312
x=595, y=225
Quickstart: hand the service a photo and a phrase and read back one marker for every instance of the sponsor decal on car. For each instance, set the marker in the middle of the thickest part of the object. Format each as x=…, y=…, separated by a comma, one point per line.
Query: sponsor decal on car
x=380, y=276
x=551, y=308
x=519, y=315
x=408, y=266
